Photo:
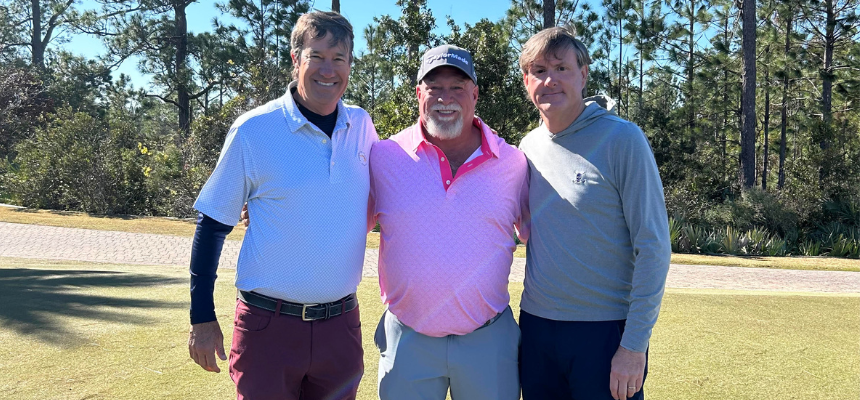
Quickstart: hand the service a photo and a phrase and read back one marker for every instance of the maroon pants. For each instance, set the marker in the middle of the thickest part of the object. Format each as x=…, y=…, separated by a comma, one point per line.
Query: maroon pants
x=276, y=356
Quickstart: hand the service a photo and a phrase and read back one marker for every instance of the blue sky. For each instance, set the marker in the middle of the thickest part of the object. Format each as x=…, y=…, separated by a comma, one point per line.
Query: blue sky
x=360, y=13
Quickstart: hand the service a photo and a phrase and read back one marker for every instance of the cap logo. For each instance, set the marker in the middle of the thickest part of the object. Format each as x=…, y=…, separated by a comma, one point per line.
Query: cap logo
x=435, y=57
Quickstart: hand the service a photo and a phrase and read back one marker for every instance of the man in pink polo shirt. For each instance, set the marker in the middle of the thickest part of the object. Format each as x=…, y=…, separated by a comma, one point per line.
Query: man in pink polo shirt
x=447, y=193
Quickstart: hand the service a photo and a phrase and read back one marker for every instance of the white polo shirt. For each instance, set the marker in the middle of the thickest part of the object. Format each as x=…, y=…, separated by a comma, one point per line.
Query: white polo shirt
x=307, y=195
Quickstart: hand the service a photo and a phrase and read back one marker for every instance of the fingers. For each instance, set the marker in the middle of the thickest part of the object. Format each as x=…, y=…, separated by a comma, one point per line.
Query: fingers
x=622, y=389
x=244, y=215
x=219, y=348
x=211, y=365
x=627, y=373
x=205, y=358
x=631, y=390
x=204, y=341
x=615, y=389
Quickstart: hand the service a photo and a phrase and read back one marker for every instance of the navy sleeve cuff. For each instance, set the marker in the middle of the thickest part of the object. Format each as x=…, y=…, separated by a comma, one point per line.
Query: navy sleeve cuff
x=205, y=252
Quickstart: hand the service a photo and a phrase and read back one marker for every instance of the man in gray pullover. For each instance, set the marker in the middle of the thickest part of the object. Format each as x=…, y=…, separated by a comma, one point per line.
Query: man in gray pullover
x=599, y=249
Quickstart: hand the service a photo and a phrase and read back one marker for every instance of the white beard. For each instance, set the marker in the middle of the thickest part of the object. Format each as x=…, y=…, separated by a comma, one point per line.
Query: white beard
x=444, y=130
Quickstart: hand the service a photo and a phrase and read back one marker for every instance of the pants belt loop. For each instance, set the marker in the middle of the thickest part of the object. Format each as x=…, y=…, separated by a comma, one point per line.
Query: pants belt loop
x=278, y=308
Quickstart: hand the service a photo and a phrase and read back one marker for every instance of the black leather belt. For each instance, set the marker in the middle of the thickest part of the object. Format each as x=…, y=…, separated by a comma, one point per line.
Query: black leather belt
x=307, y=312
x=494, y=319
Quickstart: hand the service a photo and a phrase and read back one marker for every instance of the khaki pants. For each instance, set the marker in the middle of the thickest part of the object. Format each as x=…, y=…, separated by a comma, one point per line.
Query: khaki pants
x=481, y=365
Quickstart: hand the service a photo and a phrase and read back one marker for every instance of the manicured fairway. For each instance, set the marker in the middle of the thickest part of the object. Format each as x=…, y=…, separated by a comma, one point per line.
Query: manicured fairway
x=94, y=331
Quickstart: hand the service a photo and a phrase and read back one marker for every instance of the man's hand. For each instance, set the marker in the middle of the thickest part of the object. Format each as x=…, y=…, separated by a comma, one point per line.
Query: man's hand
x=244, y=217
x=628, y=372
x=204, y=341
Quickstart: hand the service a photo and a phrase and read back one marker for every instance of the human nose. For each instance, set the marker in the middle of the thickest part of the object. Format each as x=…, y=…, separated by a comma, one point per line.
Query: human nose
x=444, y=97
x=550, y=80
x=326, y=69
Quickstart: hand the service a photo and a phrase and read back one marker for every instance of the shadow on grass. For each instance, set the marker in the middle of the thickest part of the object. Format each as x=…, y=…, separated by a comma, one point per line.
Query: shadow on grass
x=34, y=301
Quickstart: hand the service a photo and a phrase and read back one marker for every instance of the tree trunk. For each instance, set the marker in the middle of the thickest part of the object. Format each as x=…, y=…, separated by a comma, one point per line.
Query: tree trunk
x=723, y=138
x=827, y=75
x=548, y=13
x=335, y=6
x=182, y=73
x=766, y=148
x=691, y=41
x=38, y=49
x=748, y=96
x=783, y=144
x=641, y=81
x=627, y=91
x=620, y=12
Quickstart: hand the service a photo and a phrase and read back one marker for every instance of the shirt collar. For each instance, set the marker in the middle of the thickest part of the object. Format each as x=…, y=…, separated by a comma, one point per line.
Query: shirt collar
x=418, y=136
x=296, y=120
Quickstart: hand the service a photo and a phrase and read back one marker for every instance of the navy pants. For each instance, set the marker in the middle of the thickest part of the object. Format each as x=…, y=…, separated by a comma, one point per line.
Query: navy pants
x=563, y=360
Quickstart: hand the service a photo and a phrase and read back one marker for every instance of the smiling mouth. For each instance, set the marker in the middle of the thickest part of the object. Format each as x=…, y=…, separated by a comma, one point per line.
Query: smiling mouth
x=445, y=114
x=327, y=84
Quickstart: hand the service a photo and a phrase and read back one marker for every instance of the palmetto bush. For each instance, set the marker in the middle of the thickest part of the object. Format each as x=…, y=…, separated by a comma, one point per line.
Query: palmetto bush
x=775, y=247
x=675, y=234
x=809, y=247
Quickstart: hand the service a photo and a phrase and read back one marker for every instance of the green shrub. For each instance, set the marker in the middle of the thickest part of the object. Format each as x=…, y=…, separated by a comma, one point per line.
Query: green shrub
x=692, y=238
x=845, y=211
x=730, y=242
x=753, y=241
x=78, y=162
x=775, y=247
x=809, y=247
x=675, y=234
x=712, y=242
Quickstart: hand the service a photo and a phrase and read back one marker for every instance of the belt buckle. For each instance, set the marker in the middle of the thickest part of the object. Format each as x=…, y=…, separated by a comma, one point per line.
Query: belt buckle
x=305, y=311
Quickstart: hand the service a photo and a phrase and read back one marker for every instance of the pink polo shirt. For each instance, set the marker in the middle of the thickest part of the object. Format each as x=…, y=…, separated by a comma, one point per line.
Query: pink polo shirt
x=446, y=242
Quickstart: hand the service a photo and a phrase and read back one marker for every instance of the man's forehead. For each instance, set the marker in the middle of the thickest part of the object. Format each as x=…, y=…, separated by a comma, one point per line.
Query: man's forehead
x=324, y=43
x=551, y=57
x=446, y=72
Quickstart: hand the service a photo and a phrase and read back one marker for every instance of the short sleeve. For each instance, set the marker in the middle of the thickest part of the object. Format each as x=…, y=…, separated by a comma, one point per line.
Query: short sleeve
x=228, y=188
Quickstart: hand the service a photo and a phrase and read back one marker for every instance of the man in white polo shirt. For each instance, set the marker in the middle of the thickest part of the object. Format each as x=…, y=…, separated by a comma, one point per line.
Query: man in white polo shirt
x=301, y=164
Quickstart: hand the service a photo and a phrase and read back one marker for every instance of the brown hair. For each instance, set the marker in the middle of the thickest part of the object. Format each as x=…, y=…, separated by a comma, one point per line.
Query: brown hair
x=555, y=41
x=317, y=24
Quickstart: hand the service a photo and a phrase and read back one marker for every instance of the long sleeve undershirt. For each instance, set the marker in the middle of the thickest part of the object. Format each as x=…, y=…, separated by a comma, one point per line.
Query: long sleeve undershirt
x=205, y=252
x=209, y=241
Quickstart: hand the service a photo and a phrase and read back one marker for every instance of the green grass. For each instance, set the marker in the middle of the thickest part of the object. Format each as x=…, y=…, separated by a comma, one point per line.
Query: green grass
x=71, y=330
x=168, y=226
x=802, y=263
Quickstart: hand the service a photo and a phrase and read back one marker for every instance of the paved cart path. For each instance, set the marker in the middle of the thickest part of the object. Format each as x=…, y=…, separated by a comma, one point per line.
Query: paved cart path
x=47, y=242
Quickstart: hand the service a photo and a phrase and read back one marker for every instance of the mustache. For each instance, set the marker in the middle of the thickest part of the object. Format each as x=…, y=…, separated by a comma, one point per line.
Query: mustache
x=442, y=107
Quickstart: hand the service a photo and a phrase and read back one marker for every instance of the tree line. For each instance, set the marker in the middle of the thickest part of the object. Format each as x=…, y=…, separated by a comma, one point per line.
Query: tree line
x=750, y=105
